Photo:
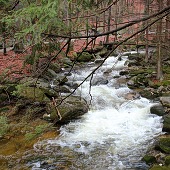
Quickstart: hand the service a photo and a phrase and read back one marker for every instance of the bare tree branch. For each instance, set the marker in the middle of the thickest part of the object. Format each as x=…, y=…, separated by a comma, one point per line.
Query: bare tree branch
x=143, y=29
x=165, y=10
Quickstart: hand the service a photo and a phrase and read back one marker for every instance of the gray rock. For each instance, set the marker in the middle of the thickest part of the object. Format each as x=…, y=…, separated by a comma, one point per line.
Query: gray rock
x=72, y=108
x=165, y=101
x=158, y=110
x=166, y=123
x=99, y=81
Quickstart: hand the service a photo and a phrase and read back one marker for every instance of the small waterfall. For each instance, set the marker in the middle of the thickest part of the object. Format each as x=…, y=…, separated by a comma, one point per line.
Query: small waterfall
x=114, y=134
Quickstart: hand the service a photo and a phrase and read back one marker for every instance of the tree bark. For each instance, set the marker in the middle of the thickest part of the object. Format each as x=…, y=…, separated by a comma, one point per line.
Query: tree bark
x=4, y=38
x=147, y=32
x=167, y=31
x=108, y=27
x=159, y=50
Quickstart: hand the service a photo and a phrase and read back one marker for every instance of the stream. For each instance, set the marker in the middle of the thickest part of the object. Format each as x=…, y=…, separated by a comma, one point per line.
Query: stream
x=114, y=135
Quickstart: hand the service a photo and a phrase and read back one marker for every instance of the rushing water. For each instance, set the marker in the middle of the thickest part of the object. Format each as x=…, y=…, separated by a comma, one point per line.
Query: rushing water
x=114, y=134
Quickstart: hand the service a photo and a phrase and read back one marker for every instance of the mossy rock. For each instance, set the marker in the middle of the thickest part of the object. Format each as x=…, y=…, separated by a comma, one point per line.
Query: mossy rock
x=72, y=108
x=163, y=145
x=148, y=94
x=167, y=161
x=166, y=123
x=157, y=167
x=32, y=93
x=84, y=57
x=149, y=159
x=103, y=52
x=158, y=110
x=49, y=74
x=55, y=67
x=34, y=82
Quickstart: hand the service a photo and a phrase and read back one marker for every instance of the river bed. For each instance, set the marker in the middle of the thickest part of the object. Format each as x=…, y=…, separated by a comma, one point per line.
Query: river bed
x=116, y=132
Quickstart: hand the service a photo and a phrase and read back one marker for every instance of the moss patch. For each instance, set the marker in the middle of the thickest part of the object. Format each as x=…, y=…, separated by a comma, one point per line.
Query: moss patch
x=157, y=167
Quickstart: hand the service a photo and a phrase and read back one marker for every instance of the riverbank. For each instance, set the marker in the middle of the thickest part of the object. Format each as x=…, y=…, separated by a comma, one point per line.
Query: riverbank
x=142, y=79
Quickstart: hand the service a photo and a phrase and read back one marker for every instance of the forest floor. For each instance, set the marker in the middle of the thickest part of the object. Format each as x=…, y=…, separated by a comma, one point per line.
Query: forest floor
x=14, y=62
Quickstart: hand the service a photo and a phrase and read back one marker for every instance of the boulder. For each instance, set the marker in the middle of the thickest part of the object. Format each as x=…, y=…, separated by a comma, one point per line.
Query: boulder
x=84, y=57
x=157, y=109
x=149, y=93
x=99, y=81
x=72, y=108
x=163, y=145
x=34, y=82
x=166, y=123
x=103, y=52
x=34, y=93
x=98, y=61
x=49, y=74
x=131, y=96
x=55, y=67
x=165, y=101
x=125, y=72
x=149, y=159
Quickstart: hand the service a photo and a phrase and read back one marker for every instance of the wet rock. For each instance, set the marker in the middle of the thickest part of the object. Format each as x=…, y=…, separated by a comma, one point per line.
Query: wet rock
x=166, y=123
x=71, y=85
x=149, y=93
x=64, y=89
x=107, y=72
x=158, y=110
x=72, y=108
x=131, y=96
x=84, y=57
x=122, y=73
x=149, y=159
x=99, y=81
x=165, y=101
x=98, y=61
x=163, y=145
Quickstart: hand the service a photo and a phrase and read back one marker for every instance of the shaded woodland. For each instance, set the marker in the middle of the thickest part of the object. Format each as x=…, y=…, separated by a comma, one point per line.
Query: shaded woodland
x=50, y=28
x=43, y=42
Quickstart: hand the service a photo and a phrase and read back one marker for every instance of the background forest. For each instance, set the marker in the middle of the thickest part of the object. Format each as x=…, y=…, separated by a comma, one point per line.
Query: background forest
x=43, y=42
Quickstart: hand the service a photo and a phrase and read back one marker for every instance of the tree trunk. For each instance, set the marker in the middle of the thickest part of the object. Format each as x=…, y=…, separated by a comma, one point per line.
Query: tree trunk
x=147, y=31
x=108, y=27
x=159, y=50
x=4, y=38
x=167, y=31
